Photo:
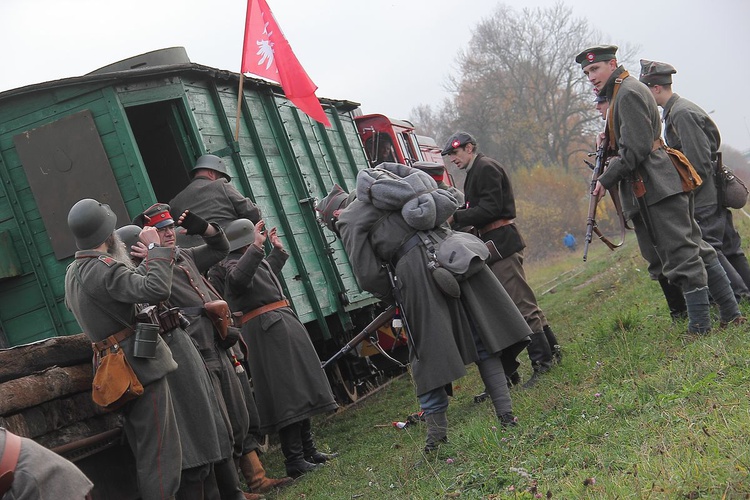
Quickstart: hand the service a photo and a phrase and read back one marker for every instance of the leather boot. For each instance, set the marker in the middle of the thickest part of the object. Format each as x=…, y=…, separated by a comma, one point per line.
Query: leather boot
x=493, y=376
x=437, y=430
x=698, y=310
x=192, y=483
x=312, y=455
x=721, y=292
x=735, y=280
x=675, y=299
x=539, y=352
x=554, y=345
x=229, y=482
x=290, y=438
x=255, y=474
x=740, y=264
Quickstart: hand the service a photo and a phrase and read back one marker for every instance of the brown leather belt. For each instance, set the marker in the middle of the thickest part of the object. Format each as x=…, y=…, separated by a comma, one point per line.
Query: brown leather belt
x=118, y=337
x=263, y=309
x=494, y=225
x=9, y=461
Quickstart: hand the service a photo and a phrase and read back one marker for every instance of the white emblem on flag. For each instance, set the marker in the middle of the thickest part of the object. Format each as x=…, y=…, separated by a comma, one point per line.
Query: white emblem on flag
x=265, y=48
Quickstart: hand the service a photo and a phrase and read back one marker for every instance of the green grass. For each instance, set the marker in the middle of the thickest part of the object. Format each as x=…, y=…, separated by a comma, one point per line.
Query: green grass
x=638, y=409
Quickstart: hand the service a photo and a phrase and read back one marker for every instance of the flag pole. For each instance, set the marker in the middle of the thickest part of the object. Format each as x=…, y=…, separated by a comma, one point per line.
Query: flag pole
x=239, y=108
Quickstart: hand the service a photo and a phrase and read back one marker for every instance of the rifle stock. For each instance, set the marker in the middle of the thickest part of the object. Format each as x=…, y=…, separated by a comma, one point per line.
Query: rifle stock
x=598, y=168
x=368, y=331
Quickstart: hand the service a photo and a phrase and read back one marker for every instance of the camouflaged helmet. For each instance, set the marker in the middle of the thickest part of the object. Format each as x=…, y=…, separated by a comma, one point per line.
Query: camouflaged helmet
x=129, y=235
x=240, y=233
x=211, y=162
x=91, y=223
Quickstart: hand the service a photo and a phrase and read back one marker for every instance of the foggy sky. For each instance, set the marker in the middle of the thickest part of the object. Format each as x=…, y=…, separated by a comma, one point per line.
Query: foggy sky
x=388, y=55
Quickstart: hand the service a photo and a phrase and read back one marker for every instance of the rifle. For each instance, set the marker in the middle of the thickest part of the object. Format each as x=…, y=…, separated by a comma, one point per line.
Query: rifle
x=396, y=293
x=591, y=226
x=370, y=333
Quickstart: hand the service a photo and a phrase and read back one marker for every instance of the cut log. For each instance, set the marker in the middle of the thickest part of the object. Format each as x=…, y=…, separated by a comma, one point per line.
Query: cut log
x=53, y=383
x=52, y=415
x=25, y=360
x=67, y=436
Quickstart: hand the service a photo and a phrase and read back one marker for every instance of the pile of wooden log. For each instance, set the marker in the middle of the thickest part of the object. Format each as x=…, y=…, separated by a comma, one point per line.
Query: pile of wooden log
x=45, y=395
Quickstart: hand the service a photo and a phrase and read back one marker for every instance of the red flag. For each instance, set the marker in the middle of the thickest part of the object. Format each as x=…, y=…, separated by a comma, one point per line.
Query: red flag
x=267, y=53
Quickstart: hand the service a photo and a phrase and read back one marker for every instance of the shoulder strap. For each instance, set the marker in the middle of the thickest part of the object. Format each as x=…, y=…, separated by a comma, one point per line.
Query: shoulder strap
x=610, y=116
x=9, y=461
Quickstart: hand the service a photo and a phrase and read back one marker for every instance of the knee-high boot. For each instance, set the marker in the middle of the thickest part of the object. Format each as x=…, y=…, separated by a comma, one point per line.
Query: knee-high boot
x=311, y=453
x=437, y=430
x=255, y=474
x=721, y=291
x=554, y=345
x=675, y=299
x=698, y=310
x=740, y=264
x=493, y=376
x=290, y=438
x=228, y=482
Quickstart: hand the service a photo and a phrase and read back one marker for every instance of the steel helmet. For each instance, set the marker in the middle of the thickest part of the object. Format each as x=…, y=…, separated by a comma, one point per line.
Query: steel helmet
x=129, y=235
x=91, y=223
x=212, y=162
x=240, y=233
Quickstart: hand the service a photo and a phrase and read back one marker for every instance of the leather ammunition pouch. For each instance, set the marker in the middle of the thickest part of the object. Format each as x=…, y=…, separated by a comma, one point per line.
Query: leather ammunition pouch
x=115, y=383
x=221, y=317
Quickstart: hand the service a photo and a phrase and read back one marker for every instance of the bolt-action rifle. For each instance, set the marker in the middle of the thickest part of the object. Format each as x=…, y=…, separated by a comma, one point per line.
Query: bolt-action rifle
x=370, y=332
x=591, y=226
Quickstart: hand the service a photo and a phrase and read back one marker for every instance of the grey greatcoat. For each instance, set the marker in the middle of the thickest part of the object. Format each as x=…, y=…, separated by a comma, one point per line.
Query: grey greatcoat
x=216, y=201
x=289, y=384
x=679, y=251
x=189, y=290
x=108, y=290
x=441, y=326
x=43, y=474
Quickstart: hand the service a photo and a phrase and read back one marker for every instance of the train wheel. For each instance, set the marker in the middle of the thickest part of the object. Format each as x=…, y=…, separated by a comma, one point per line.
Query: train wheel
x=347, y=386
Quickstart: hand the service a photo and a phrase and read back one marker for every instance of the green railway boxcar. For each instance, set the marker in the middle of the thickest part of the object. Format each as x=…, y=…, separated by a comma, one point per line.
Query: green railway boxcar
x=128, y=134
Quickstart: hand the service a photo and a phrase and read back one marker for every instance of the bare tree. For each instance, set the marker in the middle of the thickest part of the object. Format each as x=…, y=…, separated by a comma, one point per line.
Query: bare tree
x=519, y=90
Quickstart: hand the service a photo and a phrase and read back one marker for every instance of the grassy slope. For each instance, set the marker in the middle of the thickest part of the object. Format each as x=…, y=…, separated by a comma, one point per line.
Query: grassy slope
x=638, y=406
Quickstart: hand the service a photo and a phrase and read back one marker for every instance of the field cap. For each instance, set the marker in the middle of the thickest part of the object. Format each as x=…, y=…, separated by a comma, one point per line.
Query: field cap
x=596, y=54
x=656, y=73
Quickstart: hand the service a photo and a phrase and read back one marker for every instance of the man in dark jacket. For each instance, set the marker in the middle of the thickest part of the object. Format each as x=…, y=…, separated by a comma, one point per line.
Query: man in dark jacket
x=490, y=209
x=652, y=194
x=100, y=291
x=688, y=128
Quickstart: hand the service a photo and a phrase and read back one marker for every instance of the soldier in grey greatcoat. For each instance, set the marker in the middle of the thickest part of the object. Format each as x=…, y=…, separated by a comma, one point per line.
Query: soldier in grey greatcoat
x=203, y=432
x=40, y=473
x=290, y=386
x=101, y=291
x=483, y=326
x=190, y=292
x=689, y=129
x=668, y=236
x=212, y=196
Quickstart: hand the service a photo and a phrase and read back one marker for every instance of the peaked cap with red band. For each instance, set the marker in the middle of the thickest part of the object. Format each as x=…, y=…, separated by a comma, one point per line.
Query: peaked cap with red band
x=157, y=215
x=596, y=54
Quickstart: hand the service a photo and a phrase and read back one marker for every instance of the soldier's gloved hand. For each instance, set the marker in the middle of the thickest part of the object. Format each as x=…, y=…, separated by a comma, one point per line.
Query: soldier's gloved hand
x=193, y=224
